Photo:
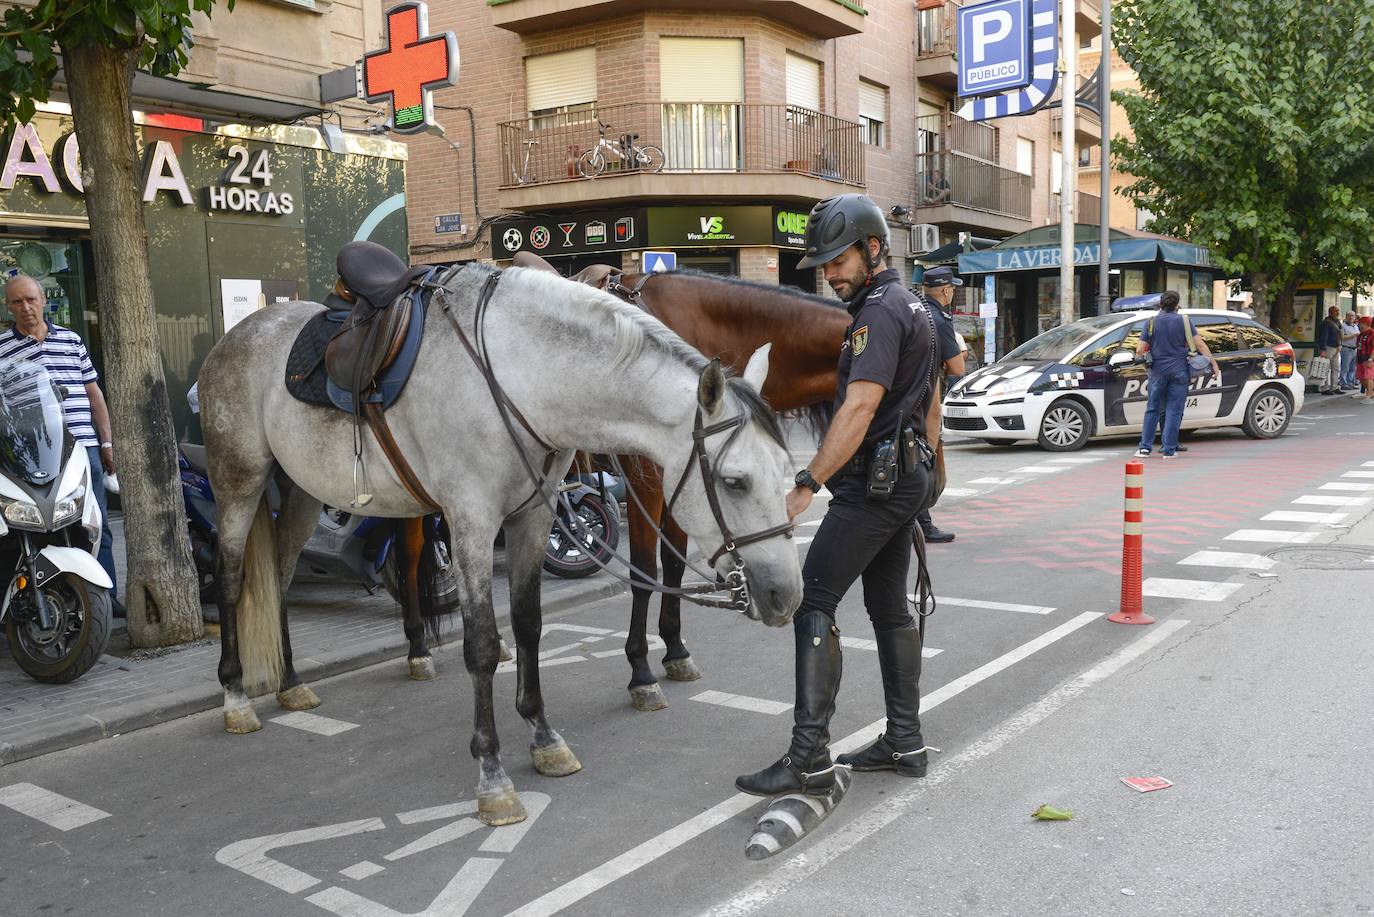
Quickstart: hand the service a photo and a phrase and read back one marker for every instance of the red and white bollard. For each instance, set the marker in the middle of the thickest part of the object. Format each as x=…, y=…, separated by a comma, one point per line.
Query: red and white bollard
x=1132, y=539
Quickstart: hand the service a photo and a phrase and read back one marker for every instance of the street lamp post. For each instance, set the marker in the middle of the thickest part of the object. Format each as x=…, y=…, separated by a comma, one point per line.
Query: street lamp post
x=1068, y=183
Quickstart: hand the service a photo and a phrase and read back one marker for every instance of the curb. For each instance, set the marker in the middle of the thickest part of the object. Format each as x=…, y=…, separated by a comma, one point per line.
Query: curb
x=152, y=711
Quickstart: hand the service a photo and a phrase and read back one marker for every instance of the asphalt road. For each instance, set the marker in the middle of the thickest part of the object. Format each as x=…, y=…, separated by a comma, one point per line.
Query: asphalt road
x=1251, y=694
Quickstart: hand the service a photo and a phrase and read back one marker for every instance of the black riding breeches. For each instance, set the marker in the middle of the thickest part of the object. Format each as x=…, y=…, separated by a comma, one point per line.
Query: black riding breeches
x=866, y=538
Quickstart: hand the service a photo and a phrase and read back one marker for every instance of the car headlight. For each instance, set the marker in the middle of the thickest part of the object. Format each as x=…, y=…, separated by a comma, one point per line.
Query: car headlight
x=1012, y=386
x=64, y=511
x=22, y=512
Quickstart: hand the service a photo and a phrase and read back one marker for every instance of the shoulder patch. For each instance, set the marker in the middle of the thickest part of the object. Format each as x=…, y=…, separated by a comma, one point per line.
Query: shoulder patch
x=859, y=340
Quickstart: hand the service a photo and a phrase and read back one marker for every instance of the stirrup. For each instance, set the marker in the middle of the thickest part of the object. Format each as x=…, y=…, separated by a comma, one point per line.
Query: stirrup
x=361, y=496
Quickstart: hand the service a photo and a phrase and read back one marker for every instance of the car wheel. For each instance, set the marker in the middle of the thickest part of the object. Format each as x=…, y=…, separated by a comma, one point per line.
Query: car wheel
x=1268, y=413
x=1066, y=427
x=1000, y=442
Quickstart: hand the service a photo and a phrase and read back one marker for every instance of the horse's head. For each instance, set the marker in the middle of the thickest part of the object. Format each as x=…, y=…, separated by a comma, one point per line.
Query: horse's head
x=732, y=502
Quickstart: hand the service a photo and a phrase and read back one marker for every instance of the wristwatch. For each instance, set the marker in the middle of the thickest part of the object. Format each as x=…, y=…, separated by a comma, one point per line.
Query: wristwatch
x=107, y=445
x=804, y=479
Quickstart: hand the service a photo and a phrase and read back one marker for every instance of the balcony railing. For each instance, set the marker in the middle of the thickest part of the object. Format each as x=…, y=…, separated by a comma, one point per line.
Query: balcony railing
x=951, y=178
x=694, y=137
x=948, y=133
x=935, y=28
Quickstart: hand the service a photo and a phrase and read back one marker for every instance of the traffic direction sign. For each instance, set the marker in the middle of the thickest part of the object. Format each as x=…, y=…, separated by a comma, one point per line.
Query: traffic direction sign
x=658, y=262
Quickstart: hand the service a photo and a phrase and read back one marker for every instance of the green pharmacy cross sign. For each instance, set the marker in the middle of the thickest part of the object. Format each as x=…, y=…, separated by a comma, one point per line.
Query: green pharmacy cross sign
x=412, y=64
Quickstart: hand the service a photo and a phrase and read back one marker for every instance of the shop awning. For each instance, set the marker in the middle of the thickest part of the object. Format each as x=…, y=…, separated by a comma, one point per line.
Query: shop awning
x=1123, y=251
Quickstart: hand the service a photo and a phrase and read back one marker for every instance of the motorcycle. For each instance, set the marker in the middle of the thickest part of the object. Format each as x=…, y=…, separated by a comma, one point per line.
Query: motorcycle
x=56, y=608
x=586, y=528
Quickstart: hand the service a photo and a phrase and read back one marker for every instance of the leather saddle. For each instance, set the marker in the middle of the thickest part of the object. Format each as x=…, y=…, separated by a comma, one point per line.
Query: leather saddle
x=372, y=278
x=597, y=275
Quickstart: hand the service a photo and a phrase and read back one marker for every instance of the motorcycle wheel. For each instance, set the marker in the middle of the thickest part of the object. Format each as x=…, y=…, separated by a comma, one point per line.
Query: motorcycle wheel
x=203, y=552
x=573, y=559
x=80, y=631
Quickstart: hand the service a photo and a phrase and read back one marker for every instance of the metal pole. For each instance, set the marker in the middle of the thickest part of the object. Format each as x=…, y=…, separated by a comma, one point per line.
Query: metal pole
x=1068, y=184
x=1104, y=80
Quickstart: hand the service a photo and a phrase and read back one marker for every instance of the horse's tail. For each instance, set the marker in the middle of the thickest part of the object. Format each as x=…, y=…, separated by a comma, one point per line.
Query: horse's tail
x=259, y=607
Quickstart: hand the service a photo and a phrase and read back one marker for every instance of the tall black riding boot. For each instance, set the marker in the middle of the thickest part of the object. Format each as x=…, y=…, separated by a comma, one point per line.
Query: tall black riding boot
x=807, y=766
x=901, y=748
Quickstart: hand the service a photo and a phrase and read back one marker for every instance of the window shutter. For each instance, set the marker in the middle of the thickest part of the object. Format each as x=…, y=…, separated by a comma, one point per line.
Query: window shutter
x=872, y=101
x=701, y=69
x=564, y=78
x=803, y=82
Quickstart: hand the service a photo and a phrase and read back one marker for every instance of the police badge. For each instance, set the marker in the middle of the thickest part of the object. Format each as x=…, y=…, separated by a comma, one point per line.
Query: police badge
x=859, y=340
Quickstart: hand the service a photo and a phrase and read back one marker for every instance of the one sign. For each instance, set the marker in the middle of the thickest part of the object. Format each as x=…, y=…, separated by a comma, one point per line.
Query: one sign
x=569, y=234
x=994, y=47
x=658, y=262
x=710, y=226
x=409, y=68
x=789, y=228
x=448, y=222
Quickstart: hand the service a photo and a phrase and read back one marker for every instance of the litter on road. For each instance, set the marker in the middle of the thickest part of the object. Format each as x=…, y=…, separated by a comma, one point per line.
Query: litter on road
x=1147, y=784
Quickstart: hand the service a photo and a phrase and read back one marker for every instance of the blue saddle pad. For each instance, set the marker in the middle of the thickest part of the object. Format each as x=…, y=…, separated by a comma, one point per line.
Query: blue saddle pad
x=392, y=381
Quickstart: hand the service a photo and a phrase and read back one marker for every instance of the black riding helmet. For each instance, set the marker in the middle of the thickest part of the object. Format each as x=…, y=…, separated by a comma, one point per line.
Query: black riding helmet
x=839, y=222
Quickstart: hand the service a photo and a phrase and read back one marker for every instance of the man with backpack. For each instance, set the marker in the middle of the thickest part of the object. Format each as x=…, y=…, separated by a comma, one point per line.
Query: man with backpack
x=1166, y=341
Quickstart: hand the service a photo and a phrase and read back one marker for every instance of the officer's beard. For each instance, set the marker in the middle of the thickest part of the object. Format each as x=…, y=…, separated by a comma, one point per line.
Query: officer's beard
x=848, y=287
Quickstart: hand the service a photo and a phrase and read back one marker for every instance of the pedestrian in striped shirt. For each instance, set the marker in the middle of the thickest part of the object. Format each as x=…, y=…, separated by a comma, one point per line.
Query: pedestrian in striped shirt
x=61, y=351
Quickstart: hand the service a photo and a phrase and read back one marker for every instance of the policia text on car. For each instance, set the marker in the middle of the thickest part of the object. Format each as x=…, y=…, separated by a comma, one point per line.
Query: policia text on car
x=887, y=401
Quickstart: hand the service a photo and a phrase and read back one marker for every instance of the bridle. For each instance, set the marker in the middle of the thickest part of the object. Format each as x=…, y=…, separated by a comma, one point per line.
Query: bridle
x=734, y=582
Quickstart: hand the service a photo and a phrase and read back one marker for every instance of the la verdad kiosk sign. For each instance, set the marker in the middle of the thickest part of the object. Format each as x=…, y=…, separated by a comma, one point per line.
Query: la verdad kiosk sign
x=412, y=64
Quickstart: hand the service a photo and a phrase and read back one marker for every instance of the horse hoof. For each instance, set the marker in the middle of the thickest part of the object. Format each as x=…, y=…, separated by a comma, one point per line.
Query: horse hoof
x=422, y=668
x=241, y=721
x=505, y=655
x=647, y=698
x=555, y=760
x=501, y=809
x=299, y=697
x=683, y=669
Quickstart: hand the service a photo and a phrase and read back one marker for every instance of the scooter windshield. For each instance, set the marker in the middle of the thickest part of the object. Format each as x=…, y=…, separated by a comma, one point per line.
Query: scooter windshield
x=30, y=422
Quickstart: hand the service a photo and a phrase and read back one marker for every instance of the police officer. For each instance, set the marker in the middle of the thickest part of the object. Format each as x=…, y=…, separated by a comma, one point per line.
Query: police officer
x=886, y=382
x=936, y=295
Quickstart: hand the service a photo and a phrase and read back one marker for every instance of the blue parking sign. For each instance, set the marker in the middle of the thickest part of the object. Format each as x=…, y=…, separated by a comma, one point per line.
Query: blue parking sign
x=658, y=262
x=994, y=47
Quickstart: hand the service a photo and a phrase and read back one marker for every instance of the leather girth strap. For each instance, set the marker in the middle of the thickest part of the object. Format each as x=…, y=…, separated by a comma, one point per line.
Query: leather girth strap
x=376, y=422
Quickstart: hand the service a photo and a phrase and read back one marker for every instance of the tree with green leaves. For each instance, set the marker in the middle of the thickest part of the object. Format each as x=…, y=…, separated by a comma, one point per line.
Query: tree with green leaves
x=1254, y=135
x=96, y=45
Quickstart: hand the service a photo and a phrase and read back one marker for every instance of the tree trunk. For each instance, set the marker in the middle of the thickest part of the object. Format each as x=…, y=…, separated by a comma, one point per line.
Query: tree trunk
x=1283, y=308
x=161, y=586
x=1259, y=297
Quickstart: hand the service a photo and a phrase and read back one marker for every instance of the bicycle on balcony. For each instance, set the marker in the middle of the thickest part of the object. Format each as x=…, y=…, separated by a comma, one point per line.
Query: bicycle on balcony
x=624, y=150
x=522, y=175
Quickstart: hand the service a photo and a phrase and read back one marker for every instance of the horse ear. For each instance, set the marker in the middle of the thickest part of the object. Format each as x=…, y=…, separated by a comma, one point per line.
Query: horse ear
x=756, y=370
x=711, y=389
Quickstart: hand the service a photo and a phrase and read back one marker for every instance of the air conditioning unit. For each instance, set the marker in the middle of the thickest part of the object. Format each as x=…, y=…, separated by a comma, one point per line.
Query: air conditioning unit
x=925, y=237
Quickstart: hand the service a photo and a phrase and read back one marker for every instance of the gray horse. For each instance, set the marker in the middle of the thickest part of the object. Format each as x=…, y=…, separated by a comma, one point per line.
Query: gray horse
x=584, y=370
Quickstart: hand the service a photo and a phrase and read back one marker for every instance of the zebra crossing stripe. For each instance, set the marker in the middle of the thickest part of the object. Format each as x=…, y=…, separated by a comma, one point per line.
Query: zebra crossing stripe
x=311, y=722
x=52, y=809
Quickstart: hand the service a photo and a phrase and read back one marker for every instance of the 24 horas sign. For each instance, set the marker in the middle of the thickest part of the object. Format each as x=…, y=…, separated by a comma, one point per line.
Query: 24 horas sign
x=244, y=185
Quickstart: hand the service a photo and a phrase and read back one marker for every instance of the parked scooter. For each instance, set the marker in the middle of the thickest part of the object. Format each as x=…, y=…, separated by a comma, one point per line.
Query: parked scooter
x=593, y=522
x=56, y=609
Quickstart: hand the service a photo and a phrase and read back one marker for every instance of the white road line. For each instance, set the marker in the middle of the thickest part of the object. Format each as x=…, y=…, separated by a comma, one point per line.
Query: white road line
x=52, y=809
x=740, y=702
x=362, y=870
x=1227, y=559
x=860, y=643
x=993, y=481
x=803, y=525
x=1348, y=486
x=1284, y=515
x=1039, y=469
x=991, y=606
x=1358, y=474
x=1195, y=590
x=1315, y=500
x=1367, y=464
x=960, y=491
x=313, y=722
x=803, y=539
x=1274, y=535
x=1076, y=459
x=635, y=858
x=826, y=850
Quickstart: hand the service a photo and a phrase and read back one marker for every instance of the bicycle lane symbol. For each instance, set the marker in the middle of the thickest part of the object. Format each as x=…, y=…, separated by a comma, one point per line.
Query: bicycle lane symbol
x=250, y=857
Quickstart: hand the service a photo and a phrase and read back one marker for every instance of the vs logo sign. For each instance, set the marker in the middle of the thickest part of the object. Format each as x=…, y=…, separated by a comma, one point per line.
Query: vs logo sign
x=712, y=225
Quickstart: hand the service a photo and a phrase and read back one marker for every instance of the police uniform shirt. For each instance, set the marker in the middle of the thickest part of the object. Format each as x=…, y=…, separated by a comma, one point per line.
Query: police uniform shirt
x=944, y=329
x=888, y=342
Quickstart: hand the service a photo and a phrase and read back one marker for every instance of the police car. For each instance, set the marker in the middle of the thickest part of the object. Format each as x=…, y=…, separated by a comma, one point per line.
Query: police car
x=1080, y=381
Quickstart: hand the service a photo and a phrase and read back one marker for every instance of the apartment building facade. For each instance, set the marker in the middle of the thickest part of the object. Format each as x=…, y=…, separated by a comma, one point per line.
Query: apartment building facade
x=245, y=204
x=760, y=109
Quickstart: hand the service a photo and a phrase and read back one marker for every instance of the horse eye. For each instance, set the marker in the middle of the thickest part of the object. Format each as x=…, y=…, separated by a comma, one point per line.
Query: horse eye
x=739, y=484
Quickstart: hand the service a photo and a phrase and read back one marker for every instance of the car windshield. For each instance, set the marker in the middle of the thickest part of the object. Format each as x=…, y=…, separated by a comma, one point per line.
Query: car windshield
x=30, y=422
x=1059, y=342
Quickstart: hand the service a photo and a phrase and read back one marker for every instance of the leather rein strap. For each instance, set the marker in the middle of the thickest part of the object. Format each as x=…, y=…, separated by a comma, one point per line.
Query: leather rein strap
x=376, y=422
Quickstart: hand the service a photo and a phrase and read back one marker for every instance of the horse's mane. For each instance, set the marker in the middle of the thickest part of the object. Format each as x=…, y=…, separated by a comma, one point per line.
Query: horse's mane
x=636, y=331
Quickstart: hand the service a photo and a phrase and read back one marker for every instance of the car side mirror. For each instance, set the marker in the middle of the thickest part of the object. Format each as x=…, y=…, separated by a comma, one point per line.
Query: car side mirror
x=1121, y=358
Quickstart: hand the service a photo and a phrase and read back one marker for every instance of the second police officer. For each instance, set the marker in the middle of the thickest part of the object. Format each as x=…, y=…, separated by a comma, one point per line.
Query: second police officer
x=888, y=398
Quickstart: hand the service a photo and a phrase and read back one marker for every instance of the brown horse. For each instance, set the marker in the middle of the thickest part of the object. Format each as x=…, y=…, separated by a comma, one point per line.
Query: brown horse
x=726, y=318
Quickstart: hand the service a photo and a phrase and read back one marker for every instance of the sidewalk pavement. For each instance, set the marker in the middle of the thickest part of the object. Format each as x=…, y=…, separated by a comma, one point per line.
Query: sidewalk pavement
x=335, y=627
